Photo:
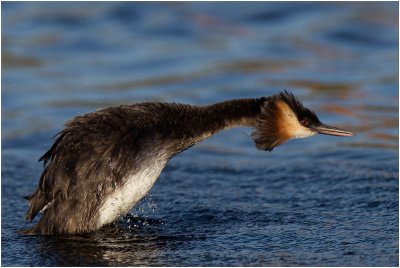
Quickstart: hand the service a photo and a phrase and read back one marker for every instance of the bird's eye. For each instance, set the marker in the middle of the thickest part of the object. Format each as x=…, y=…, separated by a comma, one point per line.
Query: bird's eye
x=304, y=122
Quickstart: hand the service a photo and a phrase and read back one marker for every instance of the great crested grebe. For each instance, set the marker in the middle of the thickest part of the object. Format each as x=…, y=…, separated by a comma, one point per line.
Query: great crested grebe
x=104, y=162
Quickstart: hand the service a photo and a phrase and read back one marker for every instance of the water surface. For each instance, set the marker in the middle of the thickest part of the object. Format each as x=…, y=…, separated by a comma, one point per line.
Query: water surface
x=322, y=201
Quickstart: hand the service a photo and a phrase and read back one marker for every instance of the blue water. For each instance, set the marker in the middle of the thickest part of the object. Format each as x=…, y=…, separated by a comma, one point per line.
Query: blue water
x=321, y=201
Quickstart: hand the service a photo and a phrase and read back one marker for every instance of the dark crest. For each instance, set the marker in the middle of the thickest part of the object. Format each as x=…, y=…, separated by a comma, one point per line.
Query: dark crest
x=293, y=102
x=304, y=115
x=298, y=108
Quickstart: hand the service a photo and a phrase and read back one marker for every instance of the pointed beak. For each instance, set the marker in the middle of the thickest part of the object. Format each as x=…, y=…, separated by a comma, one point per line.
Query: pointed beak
x=334, y=131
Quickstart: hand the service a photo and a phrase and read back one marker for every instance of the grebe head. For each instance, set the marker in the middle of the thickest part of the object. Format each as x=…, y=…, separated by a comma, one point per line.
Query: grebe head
x=284, y=117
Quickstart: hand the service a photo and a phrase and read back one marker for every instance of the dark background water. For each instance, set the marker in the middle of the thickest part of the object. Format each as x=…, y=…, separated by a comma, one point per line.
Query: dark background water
x=320, y=201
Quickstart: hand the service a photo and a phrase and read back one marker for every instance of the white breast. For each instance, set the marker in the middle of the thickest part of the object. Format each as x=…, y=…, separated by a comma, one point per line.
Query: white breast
x=123, y=198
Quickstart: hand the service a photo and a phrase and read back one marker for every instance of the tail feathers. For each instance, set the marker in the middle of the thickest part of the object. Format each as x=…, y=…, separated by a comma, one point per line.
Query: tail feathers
x=37, y=201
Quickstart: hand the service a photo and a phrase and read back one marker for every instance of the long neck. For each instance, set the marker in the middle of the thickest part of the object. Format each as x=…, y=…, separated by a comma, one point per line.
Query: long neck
x=194, y=124
x=232, y=113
